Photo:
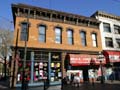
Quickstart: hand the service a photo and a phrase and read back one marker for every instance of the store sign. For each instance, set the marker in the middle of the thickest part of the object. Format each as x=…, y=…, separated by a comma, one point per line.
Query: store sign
x=113, y=56
x=82, y=59
x=55, y=56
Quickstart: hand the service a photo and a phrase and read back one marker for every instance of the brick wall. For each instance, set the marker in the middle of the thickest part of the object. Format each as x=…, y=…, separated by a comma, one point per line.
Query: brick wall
x=50, y=36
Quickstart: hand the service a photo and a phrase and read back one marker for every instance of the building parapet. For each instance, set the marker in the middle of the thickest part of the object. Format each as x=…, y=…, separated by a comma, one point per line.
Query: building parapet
x=21, y=10
x=106, y=15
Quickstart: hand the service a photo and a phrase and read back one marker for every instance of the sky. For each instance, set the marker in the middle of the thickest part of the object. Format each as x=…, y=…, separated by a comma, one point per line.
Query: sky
x=80, y=7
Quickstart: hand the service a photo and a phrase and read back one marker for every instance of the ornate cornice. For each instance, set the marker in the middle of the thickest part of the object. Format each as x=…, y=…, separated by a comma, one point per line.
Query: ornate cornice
x=106, y=15
x=21, y=10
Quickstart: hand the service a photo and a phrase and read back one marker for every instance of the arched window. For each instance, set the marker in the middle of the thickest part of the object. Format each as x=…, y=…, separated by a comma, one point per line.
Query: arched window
x=58, y=35
x=94, y=39
x=24, y=31
x=70, y=36
x=42, y=33
x=83, y=38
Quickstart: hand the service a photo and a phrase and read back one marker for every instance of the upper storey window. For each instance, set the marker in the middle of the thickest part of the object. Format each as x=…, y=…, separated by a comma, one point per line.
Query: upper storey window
x=58, y=35
x=118, y=42
x=42, y=33
x=94, y=39
x=70, y=36
x=83, y=38
x=24, y=32
x=108, y=42
x=106, y=27
x=116, y=29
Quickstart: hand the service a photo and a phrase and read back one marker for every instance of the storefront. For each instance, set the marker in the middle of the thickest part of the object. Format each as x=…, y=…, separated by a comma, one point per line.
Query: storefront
x=88, y=65
x=113, y=65
x=41, y=65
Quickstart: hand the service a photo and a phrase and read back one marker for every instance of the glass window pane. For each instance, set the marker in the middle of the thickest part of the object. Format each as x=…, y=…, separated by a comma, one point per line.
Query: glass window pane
x=116, y=29
x=108, y=42
x=106, y=27
x=83, y=38
x=70, y=37
x=94, y=39
x=42, y=33
x=58, y=35
x=24, y=33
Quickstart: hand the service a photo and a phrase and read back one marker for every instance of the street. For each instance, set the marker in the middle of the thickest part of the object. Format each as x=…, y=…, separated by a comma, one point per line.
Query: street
x=115, y=85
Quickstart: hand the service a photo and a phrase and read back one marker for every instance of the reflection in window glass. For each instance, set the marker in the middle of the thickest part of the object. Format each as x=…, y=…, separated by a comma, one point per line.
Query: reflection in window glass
x=83, y=38
x=108, y=42
x=106, y=27
x=94, y=40
x=70, y=37
x=42, y=33
x=58, y=35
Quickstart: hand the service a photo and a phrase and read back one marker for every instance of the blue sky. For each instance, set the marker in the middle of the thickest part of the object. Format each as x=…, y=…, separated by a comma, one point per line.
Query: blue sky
x=81, y=7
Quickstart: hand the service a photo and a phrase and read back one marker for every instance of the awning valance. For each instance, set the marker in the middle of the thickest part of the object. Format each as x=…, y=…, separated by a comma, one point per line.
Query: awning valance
x=112, y=56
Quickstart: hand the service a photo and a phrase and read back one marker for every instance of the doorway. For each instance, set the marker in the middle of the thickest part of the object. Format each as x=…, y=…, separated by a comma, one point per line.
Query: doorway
x=85, y=74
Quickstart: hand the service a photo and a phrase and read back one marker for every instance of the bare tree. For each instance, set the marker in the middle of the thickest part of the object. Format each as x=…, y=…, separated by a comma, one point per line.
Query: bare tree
x=6, y=38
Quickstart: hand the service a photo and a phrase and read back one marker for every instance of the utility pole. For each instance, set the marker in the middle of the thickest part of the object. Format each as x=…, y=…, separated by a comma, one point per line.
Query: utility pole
x=25, y=54
x=14, y=60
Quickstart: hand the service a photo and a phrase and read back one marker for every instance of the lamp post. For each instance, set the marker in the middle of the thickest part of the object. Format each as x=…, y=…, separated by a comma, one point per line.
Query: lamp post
x=101, y=68
x=24, y=82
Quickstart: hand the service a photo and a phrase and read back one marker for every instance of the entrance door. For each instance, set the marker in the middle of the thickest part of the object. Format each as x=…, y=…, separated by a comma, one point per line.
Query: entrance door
x=85, y=74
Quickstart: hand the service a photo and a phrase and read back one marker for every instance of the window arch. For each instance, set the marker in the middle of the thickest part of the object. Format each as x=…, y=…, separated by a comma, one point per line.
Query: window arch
x=58, y=34
x=42, y=32
x=83, y=38
x=24, y=31
x=94, y=39
x=70, y=36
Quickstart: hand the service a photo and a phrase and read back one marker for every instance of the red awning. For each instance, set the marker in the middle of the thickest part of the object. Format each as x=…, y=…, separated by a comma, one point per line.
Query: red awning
x=84, y=59
x=112, y=56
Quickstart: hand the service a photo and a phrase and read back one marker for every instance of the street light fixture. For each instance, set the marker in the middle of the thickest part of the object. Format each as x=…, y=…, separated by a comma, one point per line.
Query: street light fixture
x=101, y=68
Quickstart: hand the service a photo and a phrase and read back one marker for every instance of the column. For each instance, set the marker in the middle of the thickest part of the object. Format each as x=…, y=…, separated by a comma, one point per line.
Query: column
x=32, y=67
x=49, y=65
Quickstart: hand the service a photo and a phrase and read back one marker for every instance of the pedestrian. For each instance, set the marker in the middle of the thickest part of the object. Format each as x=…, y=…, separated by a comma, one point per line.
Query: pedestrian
x=77, y=80
x=72, y=78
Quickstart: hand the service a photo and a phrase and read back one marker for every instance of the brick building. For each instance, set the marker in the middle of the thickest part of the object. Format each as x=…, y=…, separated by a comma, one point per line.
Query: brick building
x=58, y=43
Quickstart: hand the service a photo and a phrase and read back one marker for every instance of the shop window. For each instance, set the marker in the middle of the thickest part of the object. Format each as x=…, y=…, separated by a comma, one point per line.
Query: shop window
x=24, y=32
x=70, y=36
x=58, y=35
x=94, y=39
x=40, y=71
x=20, y=71
x=108, y=42
x=40, y=66
x=42, y=33
x=116, y=29
x=106, y=27
x=56, y=73
x=83, y=38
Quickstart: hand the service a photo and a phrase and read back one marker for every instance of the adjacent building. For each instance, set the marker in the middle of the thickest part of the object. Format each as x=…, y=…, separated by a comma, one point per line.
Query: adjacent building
x=110, y=36
x=58, y=44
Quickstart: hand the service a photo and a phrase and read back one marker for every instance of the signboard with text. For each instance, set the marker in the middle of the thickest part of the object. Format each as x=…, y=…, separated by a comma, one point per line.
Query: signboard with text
x=83, y=59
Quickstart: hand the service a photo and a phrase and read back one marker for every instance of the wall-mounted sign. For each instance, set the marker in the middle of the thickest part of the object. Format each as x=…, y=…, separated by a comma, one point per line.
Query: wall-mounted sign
x=55, y=56
x=84, y=59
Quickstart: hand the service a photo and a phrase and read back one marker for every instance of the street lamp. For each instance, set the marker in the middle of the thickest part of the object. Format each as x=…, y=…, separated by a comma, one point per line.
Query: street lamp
x=24, y=82
x=101, y=68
